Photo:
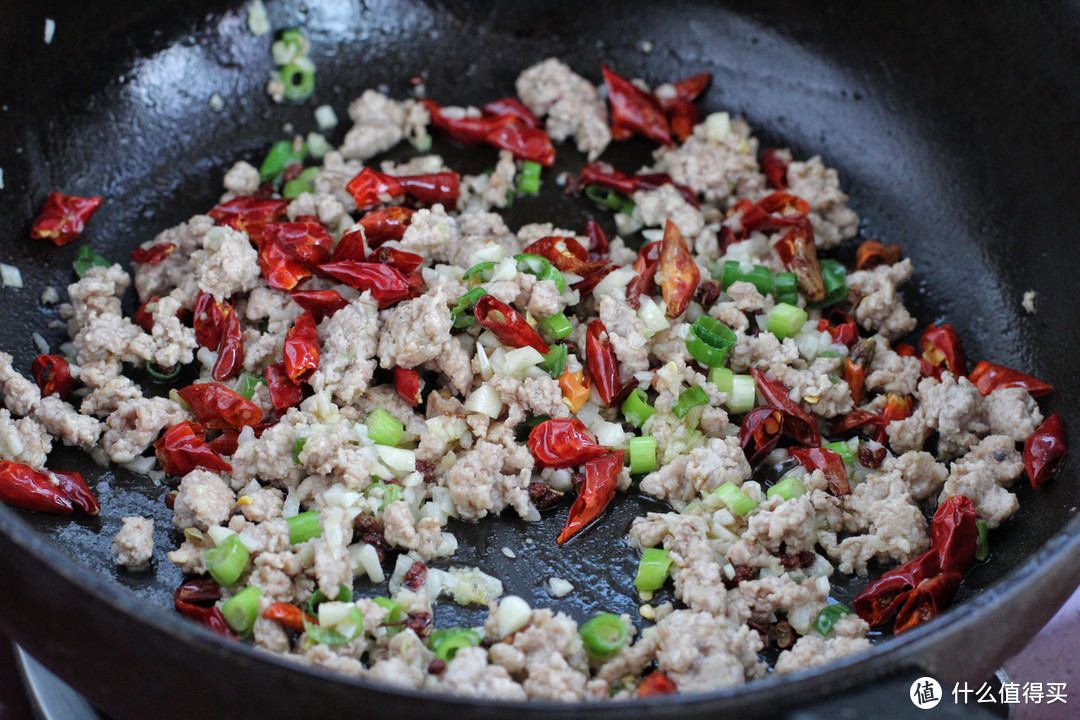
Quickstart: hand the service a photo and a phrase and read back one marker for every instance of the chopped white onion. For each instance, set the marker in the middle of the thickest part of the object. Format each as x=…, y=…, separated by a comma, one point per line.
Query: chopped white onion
x=334, y=613
x=486, y=401
x=614, y=283
x=50, y=30
x=652, y=316
x=520, y=359
x=652, y=234
x=257, y=21
x=364, y=557
x=611, y=435
x=10, y=275
x=318, y=145
x=512, y=615
x=717, y=127
x=559, y=587
x=492, y=252
x=505, y=270
x=399, y=460
x=325, y=117
x=219, y=534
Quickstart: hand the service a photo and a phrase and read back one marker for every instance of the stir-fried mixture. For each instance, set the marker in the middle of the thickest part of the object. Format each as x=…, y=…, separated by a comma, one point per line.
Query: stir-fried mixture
x=376, y=352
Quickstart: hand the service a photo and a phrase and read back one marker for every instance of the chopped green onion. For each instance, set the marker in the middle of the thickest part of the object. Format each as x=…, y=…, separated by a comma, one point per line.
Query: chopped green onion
x=555, y=361
x=542, y=268
x=760, y=276
x=479, y=273
x=642, y=454
x=524, y=428
x=636, y=408
x=227, y=561
x=446, y=642
x=982, y=547
x=304, y=527
x=242, y=609
x=835, y=277
x=86, y=258
x=722, y=378
x=709, y=341
x=653, y=570
x=298, y=447
x=461, y=313
x=163, y=375
x=395, y=613
x=334, y=635
x=556, y=326
x=610, y=199
x=299, y=79
x=282, y=153
x=786, y=320
x=294, y=44
x=828, y=616
x=737, y=501
x=247, y=384
x=383, y=428
x=842, y=449
x=743, y=394
x=344, y=594
x=788, y=488
x=529, y=184
x=302, y=183
x=786, y=288
x=390, y=493
x=604, y=635
x=689, y=399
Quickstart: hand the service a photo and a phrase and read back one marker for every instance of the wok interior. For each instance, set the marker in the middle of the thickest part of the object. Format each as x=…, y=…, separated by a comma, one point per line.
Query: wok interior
x=938, y=153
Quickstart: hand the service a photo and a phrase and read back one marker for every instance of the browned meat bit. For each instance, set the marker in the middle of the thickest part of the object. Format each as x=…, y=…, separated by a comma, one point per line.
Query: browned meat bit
x=542, y=495
x=742, y=572
x=378, y=541
x=419, y=622
x=708, y=292
x=170, y=499
x=871, y=458
x=436, y=667
x=415, y=577
x=366, y=524
x=427, y=469
x=790, y=561
x=782, y=634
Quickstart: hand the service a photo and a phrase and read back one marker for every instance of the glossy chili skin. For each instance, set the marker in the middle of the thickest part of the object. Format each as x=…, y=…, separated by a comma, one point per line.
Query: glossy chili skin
x=320, y=303
x=284, y=393
x=840, y=325
x=595, y=494
x=882, y=599
x=353, y=245
x=601, y=363
x=927, y=600
x=208, y=319
x=941, y=348
x=288, y=615
x=799, y=255
x=857, y=418
x=182, y=448
x=954, y=534
x=511, y=106
x=760, y=431
x=682, y=114
x=563, y=443
x=153, y=254
x=244, y=209
x=988, y=377
x=216, y=407
x=775, y=168
x=897, y=407
x=185, y=601
x=228, y=441
x=25, y=488
x=565, y=253
x=634, y=111
x=230, y=348
x=508, y=130
x=386, y=283
x=599, y=246
x=656, y=683
x=872, y=253
x=1045, y=451
x=644, y=283
x=370, y=188
x=408, y=385
x=831, y=465
x=52, y=375
x=73, y=485
x=507, y=324
x=681, y=274
x=773, y=212
x=404, y=262
x=798, y=425
x=606, y=176
x=301, y=350
x=63, y=218
x=855, y=377
x=388, y=223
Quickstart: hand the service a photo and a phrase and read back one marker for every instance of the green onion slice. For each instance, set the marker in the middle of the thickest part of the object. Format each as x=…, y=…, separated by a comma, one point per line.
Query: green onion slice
x=604, y=635
x=556, y=326
x=247, y=384
x=835, y=277
x=86, y=258
x=743, y=394
x=298, y=447
x=642, y=454
x=390, y=493
x=689, y=399
x=842, y=449
x=982, y=547
x=555, y=361
x=737, y=501
x=479, y=273
x=610, y=199
x=304, y=527
x=636, y=408
x=299, y=79
x=788, y=488
x=786, y=288
x=529, y=183
x=334, y=635
x=653, y=570
x=828, y=616
x=344, y=594
x=709, y=341
x=383, y=428
x=395, y=613
x=542, y=268
x=760, y=276
x=163, y=375
x=227, y=561
x=786, y=320
x=302, y=183
x=242, y=609
x=282, y=153
x=446, y=642
x=462, y=312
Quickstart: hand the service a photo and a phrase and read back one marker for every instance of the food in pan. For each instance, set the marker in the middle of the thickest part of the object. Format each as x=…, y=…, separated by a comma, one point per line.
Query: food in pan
x=368, y=350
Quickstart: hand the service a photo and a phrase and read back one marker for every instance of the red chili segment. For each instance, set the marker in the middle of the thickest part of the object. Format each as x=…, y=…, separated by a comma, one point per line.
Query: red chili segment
x=799, y=255
x=288, y=615
x=507, y=324
x=153, y=254
x=509, y=130
x=320, y=303
x=284, y=393
x=988, y=377
x=656, y=683
x=24, y=488
x=644, y=283
x=230, y=348
x=681, y=273
x=1045, y=451
x=63, y=218
x=882, y=599
x=563, y=443
x=831, y=465
x=601, y=363
x=301, y=351
x=244, y=209
x=183, y=448
x=74, y=487
x=53, y=375
x=385, y=224
x=634, y=111
x=775, y=168
x=760, y=432
x=927, y=600
x=216, y=407
x=798, y=425
x=386, y=283
x=209, y=317
x=941, y=348
x=408, y=385
x=595, y=494
x=954, y=534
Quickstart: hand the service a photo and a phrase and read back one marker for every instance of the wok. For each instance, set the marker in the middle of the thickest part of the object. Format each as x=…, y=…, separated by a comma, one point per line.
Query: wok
x=954, y=134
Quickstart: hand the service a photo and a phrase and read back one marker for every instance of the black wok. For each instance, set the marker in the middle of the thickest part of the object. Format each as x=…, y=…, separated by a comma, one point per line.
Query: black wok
x=953, y=129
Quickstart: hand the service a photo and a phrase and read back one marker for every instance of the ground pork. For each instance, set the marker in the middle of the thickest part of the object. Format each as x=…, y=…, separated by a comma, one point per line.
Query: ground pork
x=547, y=652
x=626, y=331
x=106, y=398
x=424, y=536
x=490, y=477
x=242, y=179
x=133, y=545
x=703, y=470
x=469, y=674
x=877, y=301
x=655, y=207
x=490, y=190
x=817, y=386
x=535, y=395
x=983, y=474
x=136, y=424
x=848, y=637
x=719, y=170
x=571, y=103
x=348, y=343
x=64, y=422
x=24, y=440
x=892, y=373
x=203, y=500
x=226, y=264
x=172, y=275
x=819, y=186
x=324, y=206
x=380, y=123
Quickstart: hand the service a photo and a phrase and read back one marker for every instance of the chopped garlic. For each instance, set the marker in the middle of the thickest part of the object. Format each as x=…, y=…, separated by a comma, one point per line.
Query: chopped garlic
x=50, y=30
x=559, y=587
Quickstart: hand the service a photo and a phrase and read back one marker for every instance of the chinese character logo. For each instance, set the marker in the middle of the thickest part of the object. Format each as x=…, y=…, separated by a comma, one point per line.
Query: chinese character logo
x=925, y=693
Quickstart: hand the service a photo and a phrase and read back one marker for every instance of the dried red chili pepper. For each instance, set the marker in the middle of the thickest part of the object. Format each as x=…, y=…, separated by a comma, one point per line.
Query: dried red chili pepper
x=153, y=254
x=370, y=188
x=565, y=253
x=644, y=283
x=301, y=351
x=799, y=255
x=656, y=683
x=602, y=364
x=320, y=303
x=385, y=224
x=634, y=111
x=408, y=385
x=198, y=590
x=941, y=348
x=427, y=190
x=228, y=441
x=595, y=494
x=208, y=319
x=563, y=443
x=183, y=448
x=405, y=262
x=855, y=419
x=288, y=615
x=872, y=253
x=855, y=377
x=211, y=617
x=352, y=245
x=840, y=325
x=386, y=283
x=1045, y=450
x=988, y=377
x=53, y=375
x=773, y=212
x=897, y=407
x=681, y=273
x=829, y=463
x=244, y=209
x=798, y=425
x=775, y=167
x=927, y=600
x=604, y=175
x=599, y=246
x=230, y=350
x=216, y=407
x=507, y=324
x=507, y=131
x=71, y=483
x=284, y=393
x=925, y=368
x=511, y=106
x=882, y=599
x=588, y=284
x=682, y=117
x=280, y=267
x=145, y=318
x=63, y=218
x=760, y=432
x=25, y=488
x=954, y=534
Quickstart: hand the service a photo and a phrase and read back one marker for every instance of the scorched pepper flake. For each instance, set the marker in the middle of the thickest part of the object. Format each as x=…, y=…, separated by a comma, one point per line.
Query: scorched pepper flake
x=53, y=375
x=594, y=495
x=63, y=218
